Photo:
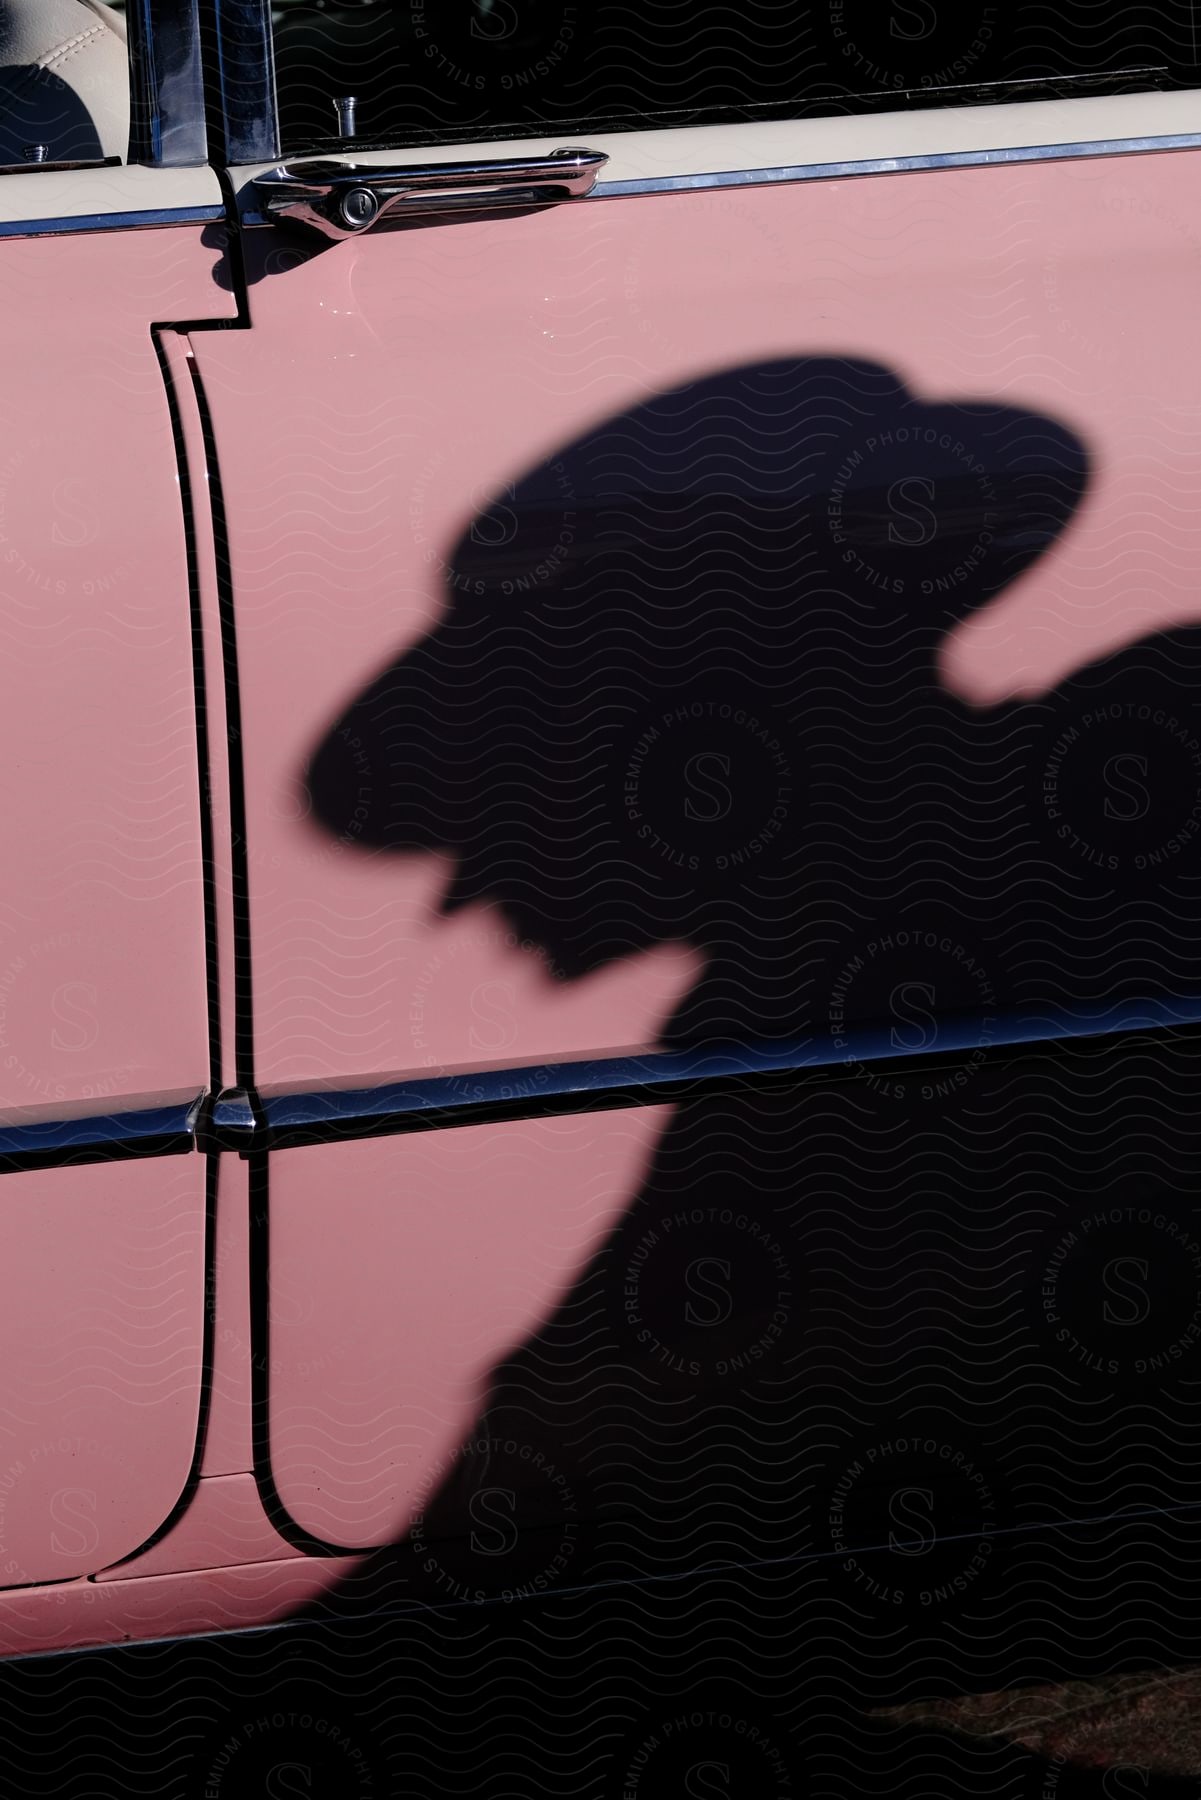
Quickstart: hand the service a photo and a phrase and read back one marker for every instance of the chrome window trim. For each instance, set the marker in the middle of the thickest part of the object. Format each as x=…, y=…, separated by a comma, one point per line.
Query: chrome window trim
x=730, y=156
x=241, y=43
x=114, y=221
x=894, y=165
x=166, y=84
x=252, y=218
x=170, y=45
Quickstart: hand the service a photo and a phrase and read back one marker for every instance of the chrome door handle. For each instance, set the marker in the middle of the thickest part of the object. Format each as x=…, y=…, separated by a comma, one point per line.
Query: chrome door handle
x=341, y=198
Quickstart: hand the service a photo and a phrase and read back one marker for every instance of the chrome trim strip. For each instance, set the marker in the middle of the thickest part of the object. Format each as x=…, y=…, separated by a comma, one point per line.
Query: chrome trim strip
x=166, y=128
x=539, y=1086
x=894, y=165
x=245, y=108
x=233, y=1111
x=114, y=221
x=102, y=1131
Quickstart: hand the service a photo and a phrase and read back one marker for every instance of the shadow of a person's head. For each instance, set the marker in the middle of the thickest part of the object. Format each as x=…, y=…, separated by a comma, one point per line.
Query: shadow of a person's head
x=665, y=639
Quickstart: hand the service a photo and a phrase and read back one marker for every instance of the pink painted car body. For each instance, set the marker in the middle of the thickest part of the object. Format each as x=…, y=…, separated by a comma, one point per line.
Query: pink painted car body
x=257, y=502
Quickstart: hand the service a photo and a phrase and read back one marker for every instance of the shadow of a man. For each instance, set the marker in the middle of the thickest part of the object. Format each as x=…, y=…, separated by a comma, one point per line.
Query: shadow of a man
x=686, y=688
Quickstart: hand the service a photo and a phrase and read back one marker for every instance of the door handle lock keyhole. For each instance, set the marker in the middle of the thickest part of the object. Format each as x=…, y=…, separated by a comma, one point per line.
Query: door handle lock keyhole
x=358, y=207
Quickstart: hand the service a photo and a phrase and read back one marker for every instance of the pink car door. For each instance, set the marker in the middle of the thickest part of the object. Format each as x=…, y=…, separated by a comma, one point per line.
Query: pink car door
x=695, y=590
x=105, y=1047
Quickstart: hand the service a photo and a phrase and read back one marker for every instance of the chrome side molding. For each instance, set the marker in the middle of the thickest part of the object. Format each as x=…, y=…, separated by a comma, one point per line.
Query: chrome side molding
x=101, y=1137
x=252, y=1124
x=341, y=198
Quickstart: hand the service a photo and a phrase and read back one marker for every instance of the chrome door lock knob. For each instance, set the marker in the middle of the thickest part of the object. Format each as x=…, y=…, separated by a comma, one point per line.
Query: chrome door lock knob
x=358, y=207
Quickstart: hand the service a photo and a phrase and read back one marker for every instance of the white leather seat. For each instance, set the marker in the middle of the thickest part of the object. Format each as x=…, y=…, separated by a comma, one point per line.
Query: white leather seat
x=64, y=80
